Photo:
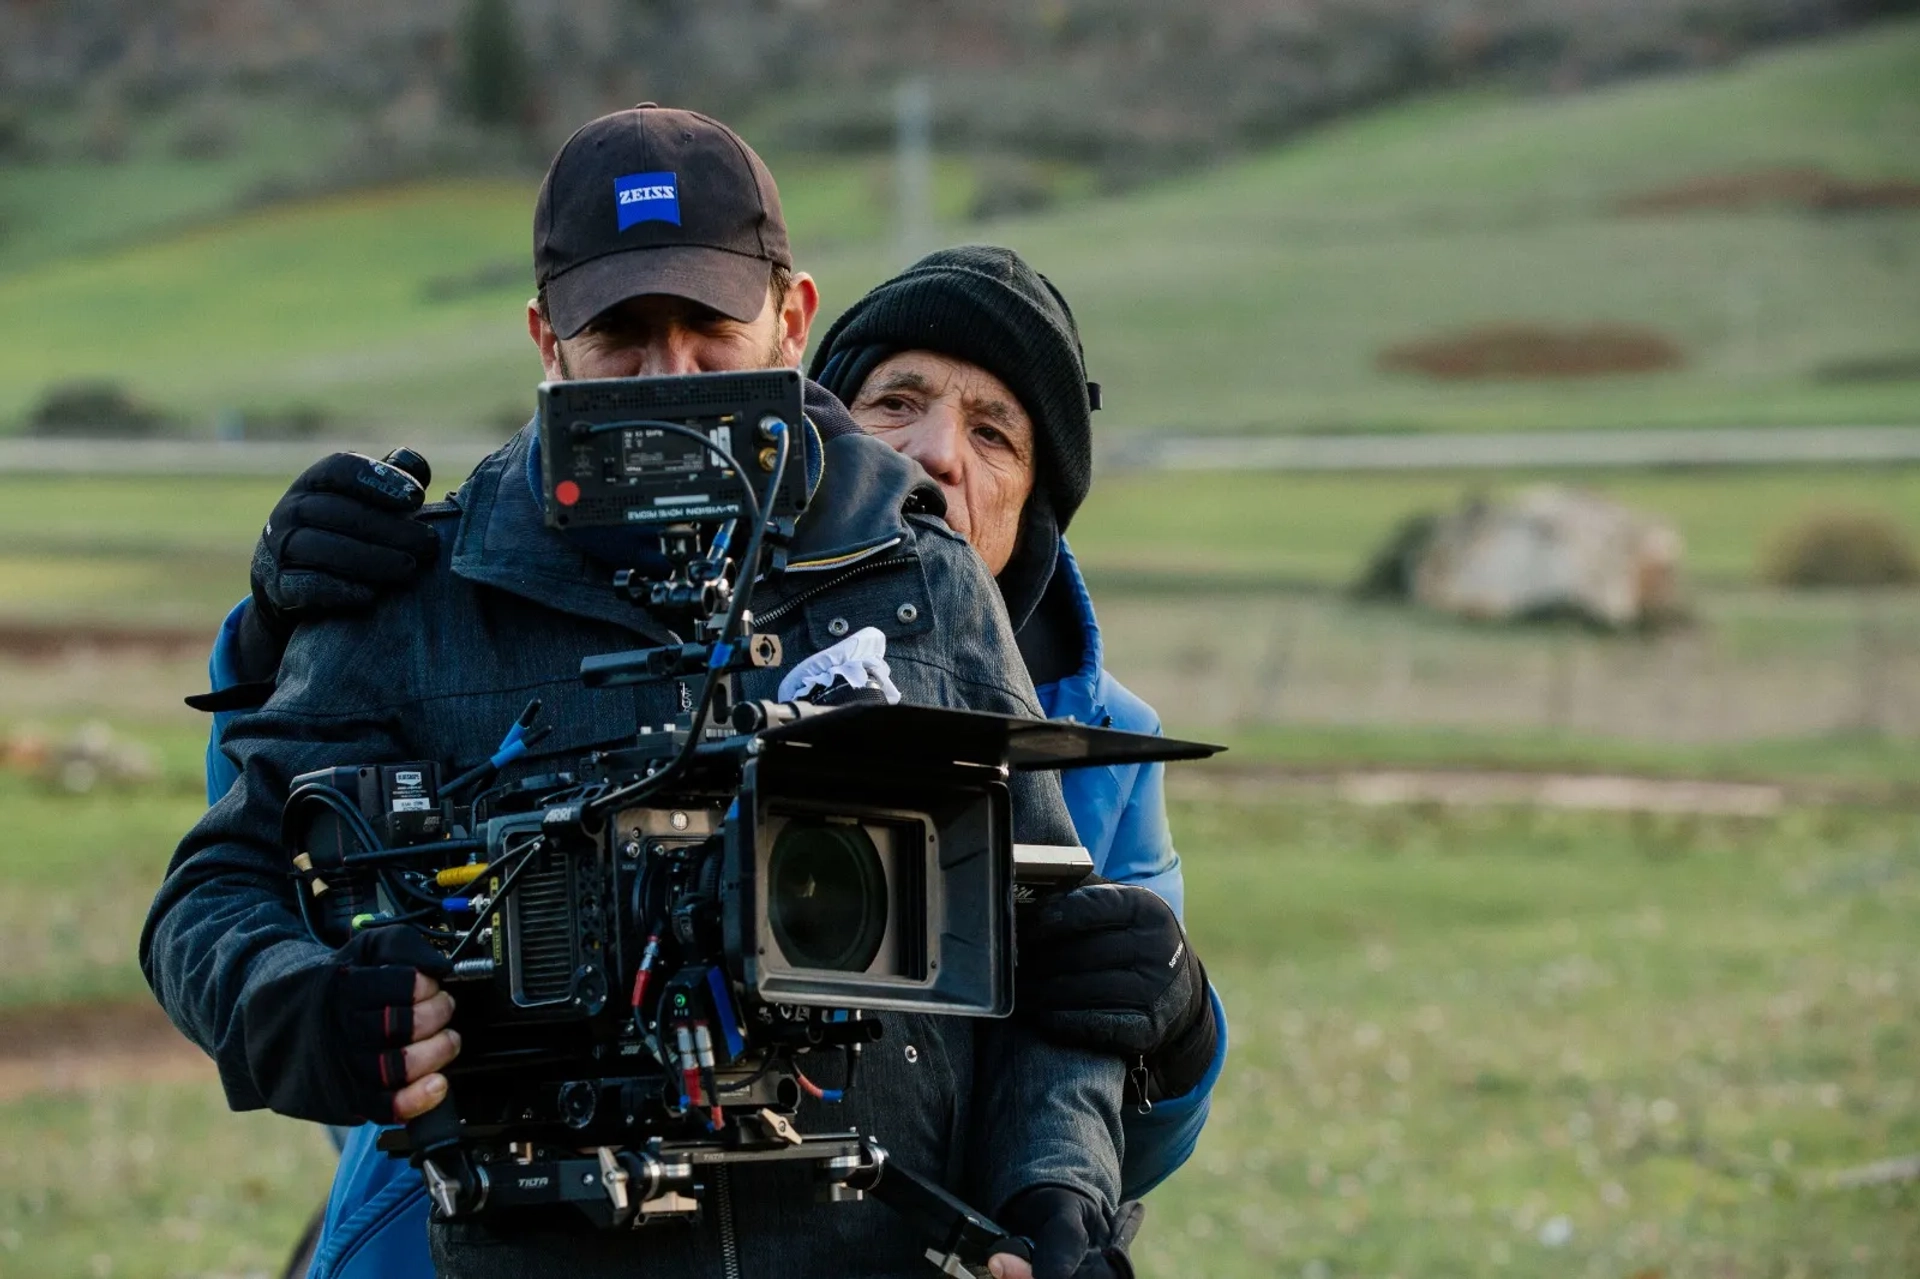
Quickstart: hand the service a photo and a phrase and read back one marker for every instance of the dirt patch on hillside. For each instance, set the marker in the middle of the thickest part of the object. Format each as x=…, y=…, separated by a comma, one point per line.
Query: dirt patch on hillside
x=73, y=1048
x=1814, y=190
x=1534, y=351
x=46, y=641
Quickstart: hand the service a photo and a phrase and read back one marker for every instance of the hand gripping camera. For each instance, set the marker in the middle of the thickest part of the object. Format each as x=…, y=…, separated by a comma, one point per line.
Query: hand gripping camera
x=659, y=947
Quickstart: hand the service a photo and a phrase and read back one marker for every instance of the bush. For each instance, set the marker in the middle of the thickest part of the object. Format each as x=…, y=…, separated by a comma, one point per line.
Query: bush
x=94, y=410
x=1842, y=548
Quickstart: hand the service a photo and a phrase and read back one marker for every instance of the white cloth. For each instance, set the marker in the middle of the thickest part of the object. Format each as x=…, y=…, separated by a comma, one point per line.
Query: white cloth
x=860, y=659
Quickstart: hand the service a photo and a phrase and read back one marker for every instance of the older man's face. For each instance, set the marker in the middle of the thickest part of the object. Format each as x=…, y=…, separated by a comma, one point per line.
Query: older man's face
x=968, y=430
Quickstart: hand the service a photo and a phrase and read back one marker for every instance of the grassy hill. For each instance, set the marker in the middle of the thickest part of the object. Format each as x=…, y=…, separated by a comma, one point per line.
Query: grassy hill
x=1254, y=297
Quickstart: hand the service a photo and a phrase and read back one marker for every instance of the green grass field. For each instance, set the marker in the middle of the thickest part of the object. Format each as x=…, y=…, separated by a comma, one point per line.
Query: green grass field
x=53, y=208
x=1255, y=296
x=1464, y=1043
x=146, y=550
x=74, y=903
x=392, y=304
x=1548, y=1045
x=1320, y=529
x=154, y=1181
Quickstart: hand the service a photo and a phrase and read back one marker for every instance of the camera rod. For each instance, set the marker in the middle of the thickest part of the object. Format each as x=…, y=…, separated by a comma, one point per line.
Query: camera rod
x=722, y=654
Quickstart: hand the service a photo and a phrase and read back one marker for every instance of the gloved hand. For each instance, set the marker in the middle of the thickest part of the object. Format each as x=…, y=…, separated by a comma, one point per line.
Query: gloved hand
x=359, y=1039
x=1106, y=967
x=342, y=533
x=1071, y=1238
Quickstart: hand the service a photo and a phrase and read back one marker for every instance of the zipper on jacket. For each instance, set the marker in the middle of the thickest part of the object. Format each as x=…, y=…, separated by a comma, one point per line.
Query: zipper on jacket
x=1138, y=1077
x=861, y=569
x=723, y=1202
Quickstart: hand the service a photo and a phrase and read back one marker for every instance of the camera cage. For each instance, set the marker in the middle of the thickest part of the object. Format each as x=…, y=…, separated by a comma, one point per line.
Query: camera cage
x=564, y=914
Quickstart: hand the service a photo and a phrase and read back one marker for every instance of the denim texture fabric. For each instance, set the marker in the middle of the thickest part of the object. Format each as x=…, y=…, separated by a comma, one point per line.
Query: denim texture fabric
x=439, y=670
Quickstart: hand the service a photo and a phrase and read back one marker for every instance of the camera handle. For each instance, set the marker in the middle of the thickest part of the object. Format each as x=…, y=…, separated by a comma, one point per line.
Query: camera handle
x=435, y=1138
x=966, y=1237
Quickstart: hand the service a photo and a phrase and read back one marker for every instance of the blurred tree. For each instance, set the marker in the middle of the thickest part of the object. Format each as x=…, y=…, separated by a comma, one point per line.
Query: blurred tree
x=493, y=65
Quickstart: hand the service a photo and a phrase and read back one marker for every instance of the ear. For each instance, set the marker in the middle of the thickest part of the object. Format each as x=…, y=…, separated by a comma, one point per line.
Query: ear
x=546, y=340
x=796, y=318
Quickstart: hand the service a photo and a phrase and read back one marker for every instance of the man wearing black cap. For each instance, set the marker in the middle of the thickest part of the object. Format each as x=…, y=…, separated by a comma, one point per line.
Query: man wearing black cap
x=504, y=610
x=703, y=219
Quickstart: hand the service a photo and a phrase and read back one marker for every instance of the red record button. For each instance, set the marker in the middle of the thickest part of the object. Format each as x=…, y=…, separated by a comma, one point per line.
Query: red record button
x=566, y=492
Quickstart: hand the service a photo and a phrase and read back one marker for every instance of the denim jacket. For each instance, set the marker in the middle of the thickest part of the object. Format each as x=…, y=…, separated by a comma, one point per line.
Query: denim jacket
x=375, y=1216
x=438, y=670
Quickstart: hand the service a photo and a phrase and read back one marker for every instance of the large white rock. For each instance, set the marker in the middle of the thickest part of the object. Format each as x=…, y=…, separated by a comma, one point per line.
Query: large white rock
x=1549, y=550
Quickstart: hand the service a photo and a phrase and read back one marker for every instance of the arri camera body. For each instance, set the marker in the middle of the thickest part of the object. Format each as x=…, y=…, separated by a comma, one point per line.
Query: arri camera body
x=656, y=949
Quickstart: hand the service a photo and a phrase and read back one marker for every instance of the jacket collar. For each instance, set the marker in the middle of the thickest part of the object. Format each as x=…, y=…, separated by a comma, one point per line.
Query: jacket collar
x=1077, y=696
x=503, y=542
x=1092, y=654
x=866, y=492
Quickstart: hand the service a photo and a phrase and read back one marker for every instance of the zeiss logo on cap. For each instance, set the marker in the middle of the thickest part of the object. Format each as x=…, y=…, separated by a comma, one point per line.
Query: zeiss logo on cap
x=647, y=197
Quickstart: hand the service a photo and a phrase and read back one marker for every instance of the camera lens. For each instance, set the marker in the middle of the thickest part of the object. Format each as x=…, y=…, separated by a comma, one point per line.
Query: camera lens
x=826, y=896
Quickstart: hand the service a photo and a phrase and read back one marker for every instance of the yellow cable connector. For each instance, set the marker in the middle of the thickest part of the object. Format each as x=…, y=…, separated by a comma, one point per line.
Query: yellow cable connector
x=460, y=876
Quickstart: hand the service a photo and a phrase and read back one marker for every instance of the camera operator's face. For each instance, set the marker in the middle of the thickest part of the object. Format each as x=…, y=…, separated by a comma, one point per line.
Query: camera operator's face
x=968, y=430
x=656, y=335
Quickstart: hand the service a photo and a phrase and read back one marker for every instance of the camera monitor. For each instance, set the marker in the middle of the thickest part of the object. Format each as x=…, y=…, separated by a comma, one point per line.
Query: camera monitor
x=634, y=452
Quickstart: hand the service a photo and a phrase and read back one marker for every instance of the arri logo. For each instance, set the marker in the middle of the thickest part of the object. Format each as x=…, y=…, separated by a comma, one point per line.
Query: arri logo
x=647, y=197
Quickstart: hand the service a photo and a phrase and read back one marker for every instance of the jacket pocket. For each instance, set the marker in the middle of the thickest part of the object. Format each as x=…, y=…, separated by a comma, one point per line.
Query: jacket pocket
x=893, y=598
x=387, y=1236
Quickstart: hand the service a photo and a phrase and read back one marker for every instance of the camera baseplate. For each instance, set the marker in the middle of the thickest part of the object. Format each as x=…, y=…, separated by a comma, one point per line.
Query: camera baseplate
x=622, y=1188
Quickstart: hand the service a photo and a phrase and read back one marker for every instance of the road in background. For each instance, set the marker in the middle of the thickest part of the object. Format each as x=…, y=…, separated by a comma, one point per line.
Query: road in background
x=1502, y=450
x=451, y=459
x=1521, y=450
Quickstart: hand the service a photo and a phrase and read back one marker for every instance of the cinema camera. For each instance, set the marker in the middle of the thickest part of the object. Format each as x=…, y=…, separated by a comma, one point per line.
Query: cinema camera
x=653, y=947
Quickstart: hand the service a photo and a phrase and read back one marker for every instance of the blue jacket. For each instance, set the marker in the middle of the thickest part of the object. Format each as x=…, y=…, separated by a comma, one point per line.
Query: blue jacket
x=1120, y=814
x=375, y=1219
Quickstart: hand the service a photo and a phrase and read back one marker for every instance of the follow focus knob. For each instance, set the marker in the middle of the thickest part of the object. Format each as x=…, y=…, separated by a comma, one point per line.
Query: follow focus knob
x=412, y=463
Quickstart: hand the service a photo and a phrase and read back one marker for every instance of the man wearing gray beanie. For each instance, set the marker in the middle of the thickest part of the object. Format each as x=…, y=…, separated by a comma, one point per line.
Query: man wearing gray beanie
x=970, y=362
x=984, y=306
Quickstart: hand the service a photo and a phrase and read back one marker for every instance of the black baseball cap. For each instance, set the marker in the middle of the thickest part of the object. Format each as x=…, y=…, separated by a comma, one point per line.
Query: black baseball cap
x=656, y=200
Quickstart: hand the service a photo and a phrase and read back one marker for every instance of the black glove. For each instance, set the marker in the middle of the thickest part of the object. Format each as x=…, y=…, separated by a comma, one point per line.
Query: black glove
x=1071, y=1236
x=327, y=1043
x=341, y=535
x=1106, y=967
